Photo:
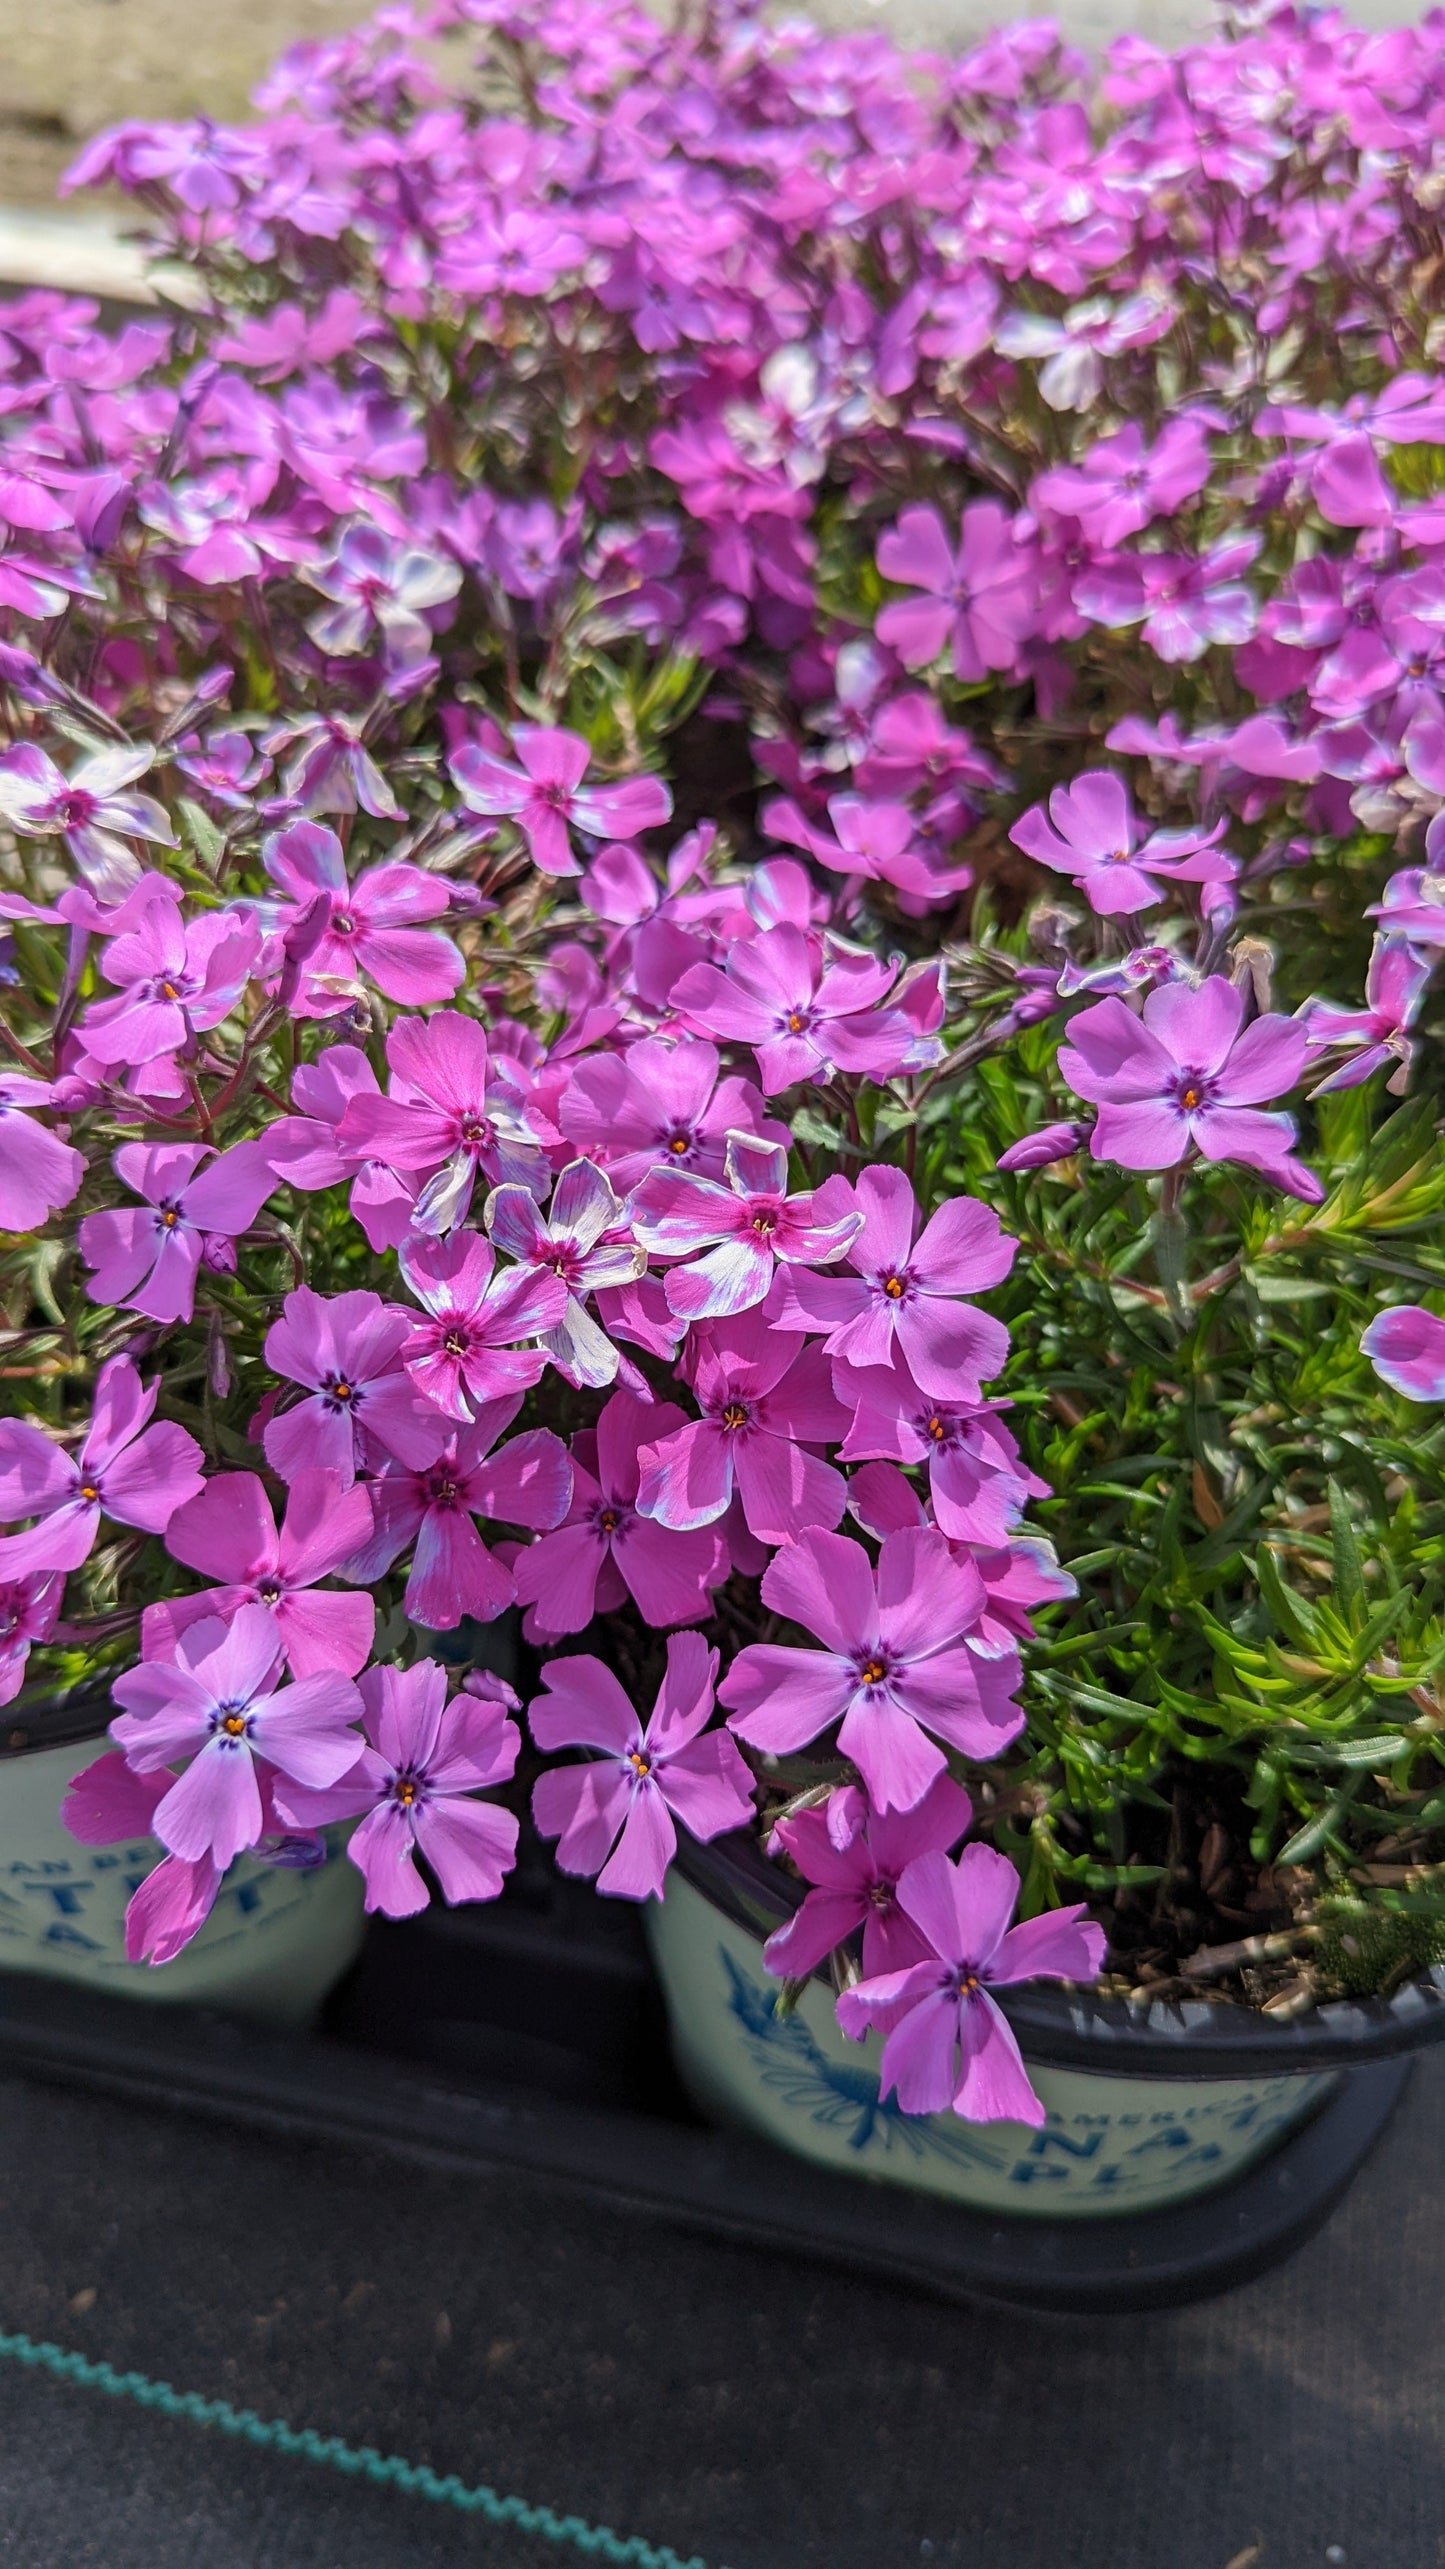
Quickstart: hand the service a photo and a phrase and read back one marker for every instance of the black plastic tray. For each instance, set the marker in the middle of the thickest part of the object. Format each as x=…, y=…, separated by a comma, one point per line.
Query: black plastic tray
x=529, y=2038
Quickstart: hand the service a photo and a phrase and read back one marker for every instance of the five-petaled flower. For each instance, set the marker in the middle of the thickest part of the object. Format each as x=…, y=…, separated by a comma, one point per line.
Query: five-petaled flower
x=614, y=1816
x=745, y=1228
x=125, y=1468
x=946, y=2041
x=1185, y=1077
x=542, y=790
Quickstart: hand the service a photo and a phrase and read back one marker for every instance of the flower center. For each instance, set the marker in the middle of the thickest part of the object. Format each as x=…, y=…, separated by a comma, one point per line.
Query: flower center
x=680, y=1144
x=168, y=1218
x=967, y=1985
x=642, y=1765
x=229, y=1722
x=735, y=1415
x=607, y=1521
x=880, y=1895
x=343, y=925
x=444, y=1494
x=873, y=1671
x=404, y=1791
x=765, y=1224
x=456, y=1342
x=89, y=1491
x=269, y=1592
x=340, y=1390
x=937, y=1429
x=894, y=1287
x=473, y=1130
x=169, y=990
x=1192, y=1090
x=797, y=1021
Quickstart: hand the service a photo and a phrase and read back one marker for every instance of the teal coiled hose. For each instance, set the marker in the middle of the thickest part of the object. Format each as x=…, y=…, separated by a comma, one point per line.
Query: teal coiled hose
x=354, y=2461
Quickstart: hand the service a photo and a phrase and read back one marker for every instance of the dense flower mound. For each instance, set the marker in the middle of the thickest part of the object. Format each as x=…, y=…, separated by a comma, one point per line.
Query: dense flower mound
x=539, y=700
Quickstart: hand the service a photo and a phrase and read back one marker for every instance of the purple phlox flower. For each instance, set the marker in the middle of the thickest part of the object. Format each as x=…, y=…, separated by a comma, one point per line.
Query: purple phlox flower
x=978, y=1481
x=1406, y=1346
x=745, y=1226
x=855, y=1884
x=1120, y=975
x=199, y=162
x=330, y=769
x=544, y=793
x=196, y=1205
x=274, y=344
x=1395, y=988
x=125, y=1469
x=614, y=1816
x=1414, y=902
x=582, y=1239
x=660, y=1105
x=106, y=1804
x=1091, y=833
x=605, y=1549
x=878, y=840
x=29, y=1611
x=764, y=1401
x=228, y=1533
x=1075, y=345
x=379, y=587
x=92, y=810
x=1344, y=477
x=1184, y=1077
x=176, y=980
x=912, y=747
x=1045, y=1148
x=217, y=1703
x=529, y=547
x=305, y=1151
x=464, y=1353
x=1017, y=1575
x=527, y=1482
x=979, y=601
x=906, y=1285
x=1122, y=483
x=1183, y=602
x=226, y=765
x=511, y=249
x=895, y=1664
x=809, y=1008
x=39, y=1173
x=452, y=1112
x=416, y=1779
x=369, y=926
x=359, y=1407
x=947, y=2042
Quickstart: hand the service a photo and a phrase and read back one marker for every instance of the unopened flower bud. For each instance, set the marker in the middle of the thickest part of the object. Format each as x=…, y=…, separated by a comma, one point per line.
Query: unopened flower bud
x=1040, y=1150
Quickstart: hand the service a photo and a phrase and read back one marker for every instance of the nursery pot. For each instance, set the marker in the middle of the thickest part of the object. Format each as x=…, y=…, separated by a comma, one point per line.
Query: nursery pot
x=275, y=1943
x=1148, y=2108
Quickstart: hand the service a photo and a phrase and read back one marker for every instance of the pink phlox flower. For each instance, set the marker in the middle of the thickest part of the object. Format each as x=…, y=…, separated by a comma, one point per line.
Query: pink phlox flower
x=544, y=793
x=176, y=980
x=1073, y=347
x=452, y=1112
x=39, y=1172
x=93, y=810
x=1091, y=833
x=217, y=1703
x=1018, y=1575
x=765, y=1402
x=228, y=1533
x=1185, y=1077
x=464, y=1353
x=1395, y=988
x=583, y=1240
x=745, y=1227
x=29, y=1611
x=527, y=1482
x=615, y=1816
x=913, y=748
x=605, y=1549
x=225, y=764
x=1122, y=483
x=660, y=1104
x=877, y=840
x=855, y=1885
x=305, y=1150
x=979, y=601
x=416, y=1781
x=977, y=1479
x=330, y=768
x=107, y=1804
x=370, y=926
x=896, y=1662
x=274, y=344
x=906, y=1287
x=125, y=1468
x=1406, y=1346
x=947, y=2042
x=808, y=1008
x=1182, y=602
x=1414, y=902
x=196, y=1206
x=378, y=587
x=359, y=1408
